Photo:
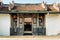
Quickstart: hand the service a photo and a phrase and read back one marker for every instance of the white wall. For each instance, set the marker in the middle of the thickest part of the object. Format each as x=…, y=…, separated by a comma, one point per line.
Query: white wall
x=4, y=24
x=52, y=24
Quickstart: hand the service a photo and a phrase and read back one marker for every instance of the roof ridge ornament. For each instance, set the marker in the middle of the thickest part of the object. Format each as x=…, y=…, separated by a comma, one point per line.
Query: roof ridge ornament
x=55, y=6
x=1, y=2
x=11, y=5
x=13, y=2
x=43, y=5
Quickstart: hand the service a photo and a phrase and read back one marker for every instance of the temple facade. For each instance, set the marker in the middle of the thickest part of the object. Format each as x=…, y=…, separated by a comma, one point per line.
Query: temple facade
x=29, y=19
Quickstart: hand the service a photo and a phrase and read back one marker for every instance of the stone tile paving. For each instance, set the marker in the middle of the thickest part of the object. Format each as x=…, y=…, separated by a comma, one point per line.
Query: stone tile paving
x=29, y=37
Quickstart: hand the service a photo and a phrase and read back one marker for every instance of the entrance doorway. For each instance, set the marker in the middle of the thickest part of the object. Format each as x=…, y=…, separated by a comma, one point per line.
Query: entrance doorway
x=27, y=26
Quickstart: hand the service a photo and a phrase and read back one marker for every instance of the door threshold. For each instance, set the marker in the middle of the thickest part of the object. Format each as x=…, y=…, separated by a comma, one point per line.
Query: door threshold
x=27, y=31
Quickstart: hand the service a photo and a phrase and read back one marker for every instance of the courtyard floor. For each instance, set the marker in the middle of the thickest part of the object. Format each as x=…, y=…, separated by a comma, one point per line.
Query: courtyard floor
x=29, y=37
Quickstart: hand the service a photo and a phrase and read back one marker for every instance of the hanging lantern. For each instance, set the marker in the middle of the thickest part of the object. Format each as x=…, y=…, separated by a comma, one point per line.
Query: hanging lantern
x=40, y=16
x=14, y=16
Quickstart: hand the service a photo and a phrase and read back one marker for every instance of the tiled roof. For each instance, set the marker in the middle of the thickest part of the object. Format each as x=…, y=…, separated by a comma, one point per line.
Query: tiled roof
x=3, y=8
x=29, y=7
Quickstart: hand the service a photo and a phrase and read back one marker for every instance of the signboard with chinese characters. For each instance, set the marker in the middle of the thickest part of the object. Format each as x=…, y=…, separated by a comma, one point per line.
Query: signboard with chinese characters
x=27, y=19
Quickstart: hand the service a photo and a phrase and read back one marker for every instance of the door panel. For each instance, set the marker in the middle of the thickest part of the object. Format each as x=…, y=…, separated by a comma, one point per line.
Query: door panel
x=21, y=26
x=13, y=29
x=34, y=25
x=41, y=28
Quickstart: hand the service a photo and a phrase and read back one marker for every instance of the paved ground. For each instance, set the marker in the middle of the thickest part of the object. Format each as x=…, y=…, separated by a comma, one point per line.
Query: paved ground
x=29, y=37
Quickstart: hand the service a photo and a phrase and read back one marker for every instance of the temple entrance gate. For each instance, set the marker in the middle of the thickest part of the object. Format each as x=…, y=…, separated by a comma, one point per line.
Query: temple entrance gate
x=27, y=24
